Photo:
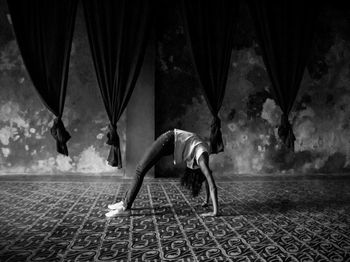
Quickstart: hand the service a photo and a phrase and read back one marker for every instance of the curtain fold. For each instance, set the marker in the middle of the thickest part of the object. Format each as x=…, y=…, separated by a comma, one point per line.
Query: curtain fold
x=44, y=31
x=118, y=32
x=210, y=29
x=285, y=29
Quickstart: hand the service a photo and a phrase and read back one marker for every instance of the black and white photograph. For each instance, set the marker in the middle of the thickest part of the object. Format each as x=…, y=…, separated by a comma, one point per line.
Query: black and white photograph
x=174, y=130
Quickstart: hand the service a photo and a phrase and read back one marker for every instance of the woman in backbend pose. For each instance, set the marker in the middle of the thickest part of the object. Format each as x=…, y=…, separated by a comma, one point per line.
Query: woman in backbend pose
x=186, y=147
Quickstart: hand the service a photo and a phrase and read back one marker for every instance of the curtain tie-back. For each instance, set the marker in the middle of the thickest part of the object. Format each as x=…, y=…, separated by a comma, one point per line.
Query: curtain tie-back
x=216, y=122
x=112, y=136
x=216, y=143
x=285, y=132
x=59, y=132
x=114, y=156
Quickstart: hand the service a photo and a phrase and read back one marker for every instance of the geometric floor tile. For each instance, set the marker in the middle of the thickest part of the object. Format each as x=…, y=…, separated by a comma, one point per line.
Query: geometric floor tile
x=268, y=220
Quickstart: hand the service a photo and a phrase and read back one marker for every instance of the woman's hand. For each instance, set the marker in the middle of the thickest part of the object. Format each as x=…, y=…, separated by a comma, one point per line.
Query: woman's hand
x=210, y=214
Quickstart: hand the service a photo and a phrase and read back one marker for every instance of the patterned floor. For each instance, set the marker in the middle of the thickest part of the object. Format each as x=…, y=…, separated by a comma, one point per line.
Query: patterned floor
x=294, y=220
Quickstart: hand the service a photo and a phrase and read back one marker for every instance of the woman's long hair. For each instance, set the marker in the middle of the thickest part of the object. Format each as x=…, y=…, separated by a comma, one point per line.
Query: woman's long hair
x=192, y=180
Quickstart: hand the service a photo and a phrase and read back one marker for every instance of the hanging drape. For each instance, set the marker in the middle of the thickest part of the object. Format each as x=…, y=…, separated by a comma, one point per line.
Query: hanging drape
x=44, y=31
x=284, y=29
x=210, y=29
x=117, y=32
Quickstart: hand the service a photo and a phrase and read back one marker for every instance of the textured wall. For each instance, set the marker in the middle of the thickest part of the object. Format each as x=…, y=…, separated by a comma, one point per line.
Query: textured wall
x=26, y=145
x=249, y=114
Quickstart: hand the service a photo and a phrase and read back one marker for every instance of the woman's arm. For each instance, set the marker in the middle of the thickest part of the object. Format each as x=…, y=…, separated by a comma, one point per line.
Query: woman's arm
x=203, y=163
x=207, y=194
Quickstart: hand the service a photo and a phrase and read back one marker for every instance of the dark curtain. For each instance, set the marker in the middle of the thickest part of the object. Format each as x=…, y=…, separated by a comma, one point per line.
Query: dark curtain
x=118, y=32
x=44, y=31
x=284, y=29
x=210, y=28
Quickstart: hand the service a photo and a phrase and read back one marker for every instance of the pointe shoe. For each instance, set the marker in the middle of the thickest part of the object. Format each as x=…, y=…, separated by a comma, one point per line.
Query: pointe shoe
x=116, y=205
x=118, y=212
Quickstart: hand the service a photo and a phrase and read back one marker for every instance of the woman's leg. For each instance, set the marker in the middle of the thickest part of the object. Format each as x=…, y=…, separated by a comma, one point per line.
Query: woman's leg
x=163, y=146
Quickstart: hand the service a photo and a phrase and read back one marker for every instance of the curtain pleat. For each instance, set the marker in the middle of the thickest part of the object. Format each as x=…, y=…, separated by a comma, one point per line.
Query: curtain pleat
x=210, y=26
x=285, y=30
x=44, y=31
x=118, y=33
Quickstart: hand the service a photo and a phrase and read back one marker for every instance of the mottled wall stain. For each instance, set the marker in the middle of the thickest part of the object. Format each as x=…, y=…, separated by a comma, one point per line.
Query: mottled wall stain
x=250, y=116
x=25, y=140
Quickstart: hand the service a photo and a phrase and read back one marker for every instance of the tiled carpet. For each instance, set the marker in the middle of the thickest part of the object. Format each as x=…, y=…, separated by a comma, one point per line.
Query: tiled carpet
x=292, y=220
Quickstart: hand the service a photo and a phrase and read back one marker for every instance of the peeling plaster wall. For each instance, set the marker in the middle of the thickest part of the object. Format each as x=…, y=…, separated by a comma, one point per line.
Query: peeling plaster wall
x=26, y=145
x=250, y=116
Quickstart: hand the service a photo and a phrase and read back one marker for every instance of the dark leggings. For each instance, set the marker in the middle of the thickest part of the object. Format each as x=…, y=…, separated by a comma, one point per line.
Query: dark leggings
x=163, y=146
